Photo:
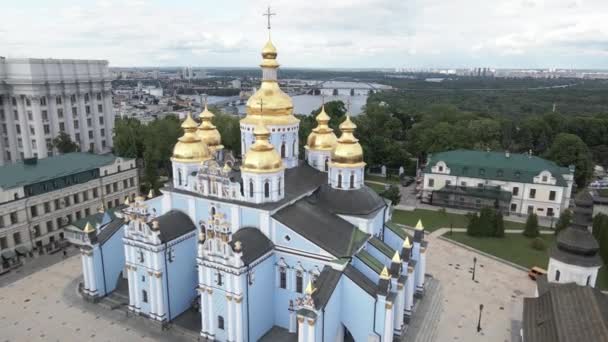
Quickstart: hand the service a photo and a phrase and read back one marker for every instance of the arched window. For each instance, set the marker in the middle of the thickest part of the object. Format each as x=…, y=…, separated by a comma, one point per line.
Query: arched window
x=283, y=150
x=220, y=322
x=588, y=280
x=250, y=188
x=179, y=177
x=299, y=282
x=340, y=180
x=557, y=274
x=212, y=211
x=282, y=278
x=326, y=164
x=266, y=189
x=279, y=187
x=144, y=296
x=293, y=148
x=352, y=180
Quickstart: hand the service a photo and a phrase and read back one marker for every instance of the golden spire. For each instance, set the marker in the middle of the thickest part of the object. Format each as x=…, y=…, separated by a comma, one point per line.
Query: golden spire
x=322, y=137
x=127, y=202
x=396, y=257
x=406, y=242
x=207, y=130
x=384, y=274
x=102, y=208
x=310, y=289
x=419, y=225
x=190, y=148
x=88, y=228
x=348, y=151
x=151, y=193
x=261, y=157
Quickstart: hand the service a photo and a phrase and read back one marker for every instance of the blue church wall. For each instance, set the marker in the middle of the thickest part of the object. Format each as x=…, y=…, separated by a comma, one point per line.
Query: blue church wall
x=98, y=271
x=330, y=318
x=392, y=239
x=113, y=260
x=378, y=222
x=219, y=309
x=261, y=299
x=363, y=268
x=144, y=285
x=357, y=310
x=182, y=275
x=179, y=202
x=156, y=203
x=283, y=236
x=250, y=217
x=383, y=258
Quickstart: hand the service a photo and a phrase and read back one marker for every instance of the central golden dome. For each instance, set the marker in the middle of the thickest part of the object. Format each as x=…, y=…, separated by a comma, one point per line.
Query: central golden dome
x=261, y=157
x=208, y=132
x=189, y=147
x=348, y=151
x=322, y=137
x=269, y=103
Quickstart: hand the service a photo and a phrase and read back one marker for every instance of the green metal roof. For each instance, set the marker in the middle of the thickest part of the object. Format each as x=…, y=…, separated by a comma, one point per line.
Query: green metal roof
x=382, y=247
x=21, y=174
x=491, y=192
x=96, y=218
x=370, y=261
x=516, y=167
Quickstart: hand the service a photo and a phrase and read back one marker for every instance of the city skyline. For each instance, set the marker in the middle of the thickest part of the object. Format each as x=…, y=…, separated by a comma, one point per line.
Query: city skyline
x=346, y=34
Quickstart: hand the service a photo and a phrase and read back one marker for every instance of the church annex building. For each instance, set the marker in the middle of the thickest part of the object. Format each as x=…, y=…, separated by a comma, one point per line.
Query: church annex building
x=269, y=242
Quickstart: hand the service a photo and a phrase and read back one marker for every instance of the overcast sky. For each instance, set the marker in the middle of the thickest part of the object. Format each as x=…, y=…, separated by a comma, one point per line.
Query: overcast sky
x=312, y=33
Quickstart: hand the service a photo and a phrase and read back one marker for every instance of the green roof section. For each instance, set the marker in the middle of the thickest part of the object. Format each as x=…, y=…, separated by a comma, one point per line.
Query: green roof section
x=96, y=218
x=382, y=247
x=513, y=167
x=400, y=231
x=370, y=261
x=23, y=173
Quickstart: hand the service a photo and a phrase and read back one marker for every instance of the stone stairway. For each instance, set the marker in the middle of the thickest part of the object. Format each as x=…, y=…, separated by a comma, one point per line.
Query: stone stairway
x=424, y=323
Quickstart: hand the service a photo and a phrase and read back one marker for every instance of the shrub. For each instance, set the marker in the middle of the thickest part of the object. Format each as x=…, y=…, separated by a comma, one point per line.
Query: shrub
x=531, y=228
x=538, y=244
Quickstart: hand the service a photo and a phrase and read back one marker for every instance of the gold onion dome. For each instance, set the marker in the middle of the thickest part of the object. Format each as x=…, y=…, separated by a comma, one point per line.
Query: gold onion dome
x=208, y=132
x=348, y=151
x=277, y=108
x=189, y=147
x=322, y=137
x=261, y=157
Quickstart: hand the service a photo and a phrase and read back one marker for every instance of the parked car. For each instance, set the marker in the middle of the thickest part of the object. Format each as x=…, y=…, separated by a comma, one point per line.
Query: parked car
x=536, y=272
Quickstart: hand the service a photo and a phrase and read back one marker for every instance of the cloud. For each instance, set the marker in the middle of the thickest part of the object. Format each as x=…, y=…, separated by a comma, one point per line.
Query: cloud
x=314, y=33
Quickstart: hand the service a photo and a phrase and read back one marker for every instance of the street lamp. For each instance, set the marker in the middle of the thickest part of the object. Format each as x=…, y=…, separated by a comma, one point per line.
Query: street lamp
x=474, y=264
x=479, y=321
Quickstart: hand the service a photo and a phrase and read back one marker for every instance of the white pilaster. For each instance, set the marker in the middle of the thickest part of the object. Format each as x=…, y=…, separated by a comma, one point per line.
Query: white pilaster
x=204, y=313
x=230, y=322
x=239, y=320
x=210, y=315
x=85, y=271
x=130, y=278
x=160, y=296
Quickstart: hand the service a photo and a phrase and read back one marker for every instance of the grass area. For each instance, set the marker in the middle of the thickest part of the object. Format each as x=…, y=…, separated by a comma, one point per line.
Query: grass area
x=515, y=248
x=376, y=187
x=602, y=278
x=390, y=180
x=433, y=220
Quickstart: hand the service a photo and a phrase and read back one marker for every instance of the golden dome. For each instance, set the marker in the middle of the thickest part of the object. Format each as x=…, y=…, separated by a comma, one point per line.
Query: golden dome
x=269, y=102
x=322, y=137
x=190, y=148
x=208, y=132
x=348, y=151
x=261, y=157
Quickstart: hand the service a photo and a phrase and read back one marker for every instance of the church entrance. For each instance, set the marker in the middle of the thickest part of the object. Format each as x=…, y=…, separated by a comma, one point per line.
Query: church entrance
x=348, y=337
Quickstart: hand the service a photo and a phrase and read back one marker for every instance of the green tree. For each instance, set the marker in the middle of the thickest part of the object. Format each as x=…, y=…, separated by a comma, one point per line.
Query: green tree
x=393, y=194
x=128, y=138
x=499, y=224
x=64, y=144
x=531, y=227
x=599, y=222
x=473, y=225
x=569, y=149
x=486, y=222
x=564, y=221
x=230, y=130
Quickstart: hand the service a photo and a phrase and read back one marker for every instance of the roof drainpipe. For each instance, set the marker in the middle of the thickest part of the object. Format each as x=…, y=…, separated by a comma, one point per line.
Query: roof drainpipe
x=375, y=307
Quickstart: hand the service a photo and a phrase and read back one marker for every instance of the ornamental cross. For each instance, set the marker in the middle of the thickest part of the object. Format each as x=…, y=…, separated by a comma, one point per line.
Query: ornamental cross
x=268, y=14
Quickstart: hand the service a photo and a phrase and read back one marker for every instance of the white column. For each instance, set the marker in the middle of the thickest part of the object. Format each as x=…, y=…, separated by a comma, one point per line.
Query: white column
x=230, y=320
x=38, y=127
x=292, y=321
x=204, y=313
x=92, y=282
x=388, y=325
x=153, y=294
x=311, y=331
x=210, y=315
x=239, y=320
x=160, y=295
x=422, y=270
x=85, y=271
x=25, y=127
x=136, y=292
x=301, y=327
x=130, y=277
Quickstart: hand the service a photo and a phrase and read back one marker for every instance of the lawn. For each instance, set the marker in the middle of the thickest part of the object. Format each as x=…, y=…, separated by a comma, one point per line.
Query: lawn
x=513, y=247
x=433, y=220
x=391, y=180
x=602, y=278
x=376, y=187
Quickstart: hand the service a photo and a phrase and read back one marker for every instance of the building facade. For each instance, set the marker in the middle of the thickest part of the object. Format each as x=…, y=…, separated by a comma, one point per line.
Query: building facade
x=40, y=98
x=266, y=244
x=518, y=183
x=38, y=198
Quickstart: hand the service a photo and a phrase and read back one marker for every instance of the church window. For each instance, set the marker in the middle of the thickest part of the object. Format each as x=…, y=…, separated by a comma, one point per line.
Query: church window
x=352, y=180
x=179, y=177
x=293, y=147
x=557, y=274
x=250, y=189
x=283, y=150
x=279, y=186
x=143, y=279
x=220, y=322
x=431, y=182
x=212, y=211
x=287, y=238
x=326, y=164
x=299, y=282
x=282, y=278
x=144, y=296
x=588, y=280
x=220, y=280
x=339, y=180
x=266, y=189
x=141, y=256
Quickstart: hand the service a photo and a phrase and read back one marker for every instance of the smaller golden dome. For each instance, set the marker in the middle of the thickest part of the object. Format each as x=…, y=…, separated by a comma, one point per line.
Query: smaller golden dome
x=189, y=147
x=348, y=151
x=269, y=51
x=208, y=132
x=261, y=157
x=322, y=137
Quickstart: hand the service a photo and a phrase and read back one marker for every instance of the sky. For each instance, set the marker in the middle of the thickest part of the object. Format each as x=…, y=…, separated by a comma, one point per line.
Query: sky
x=312, y=33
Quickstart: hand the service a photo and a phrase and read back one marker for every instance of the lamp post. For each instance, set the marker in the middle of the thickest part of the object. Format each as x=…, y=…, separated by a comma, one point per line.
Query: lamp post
x=474, y=264
x=479, y=321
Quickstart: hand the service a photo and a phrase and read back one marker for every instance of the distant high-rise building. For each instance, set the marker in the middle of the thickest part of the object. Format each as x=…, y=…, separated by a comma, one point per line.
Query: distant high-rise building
x=40, y=98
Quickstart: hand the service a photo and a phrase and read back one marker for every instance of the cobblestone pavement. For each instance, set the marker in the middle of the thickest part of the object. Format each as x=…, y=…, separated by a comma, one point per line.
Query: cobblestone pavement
x=35, y=264
x=499, y=287
x=44, y=306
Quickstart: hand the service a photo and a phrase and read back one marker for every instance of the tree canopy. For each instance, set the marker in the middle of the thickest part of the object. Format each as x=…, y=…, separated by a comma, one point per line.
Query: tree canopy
x=64, y=144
